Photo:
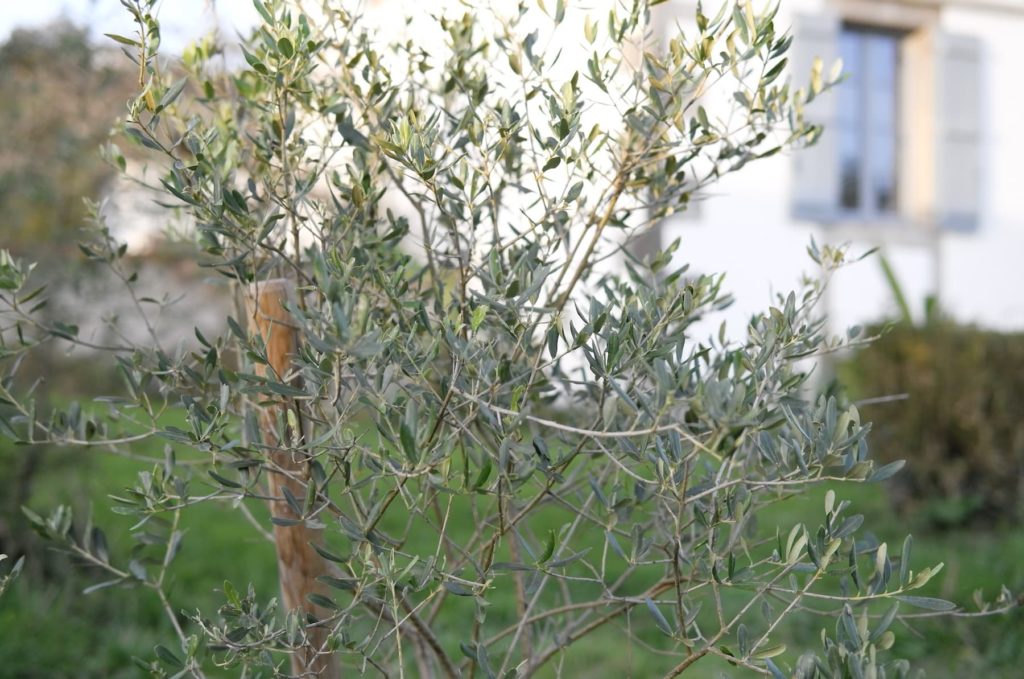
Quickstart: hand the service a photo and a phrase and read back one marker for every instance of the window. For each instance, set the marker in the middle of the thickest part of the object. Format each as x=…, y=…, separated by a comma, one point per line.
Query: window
x=902, y=141
x=868, y=122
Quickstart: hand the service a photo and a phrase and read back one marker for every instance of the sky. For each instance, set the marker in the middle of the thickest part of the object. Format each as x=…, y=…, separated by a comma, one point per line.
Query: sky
x=182, y=20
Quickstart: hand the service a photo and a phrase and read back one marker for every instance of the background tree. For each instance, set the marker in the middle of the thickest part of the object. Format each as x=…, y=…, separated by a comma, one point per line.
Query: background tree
x=59, y=96
x=479, y=443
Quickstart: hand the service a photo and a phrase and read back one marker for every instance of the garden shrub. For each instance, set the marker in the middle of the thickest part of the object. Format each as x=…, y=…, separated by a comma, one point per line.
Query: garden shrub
x=960, y=426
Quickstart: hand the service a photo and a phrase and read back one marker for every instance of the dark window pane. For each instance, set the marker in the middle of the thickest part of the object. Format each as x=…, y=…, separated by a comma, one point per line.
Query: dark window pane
x=851, y=124
x=851, y=148
x=849, y=185
x=883, y=172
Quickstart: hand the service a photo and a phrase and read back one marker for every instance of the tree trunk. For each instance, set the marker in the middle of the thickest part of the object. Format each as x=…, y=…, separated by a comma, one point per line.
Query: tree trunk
x=298, y=563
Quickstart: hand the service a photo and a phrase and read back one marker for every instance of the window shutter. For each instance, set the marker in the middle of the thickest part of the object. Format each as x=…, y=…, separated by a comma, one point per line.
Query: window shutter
x=958, y=128
x=815, y=189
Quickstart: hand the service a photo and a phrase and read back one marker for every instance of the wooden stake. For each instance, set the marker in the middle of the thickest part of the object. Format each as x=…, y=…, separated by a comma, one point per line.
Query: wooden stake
x=298, y=563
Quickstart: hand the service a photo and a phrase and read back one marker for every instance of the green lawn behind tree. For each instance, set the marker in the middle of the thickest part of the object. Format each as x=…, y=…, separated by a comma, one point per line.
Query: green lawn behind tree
x=47, y=629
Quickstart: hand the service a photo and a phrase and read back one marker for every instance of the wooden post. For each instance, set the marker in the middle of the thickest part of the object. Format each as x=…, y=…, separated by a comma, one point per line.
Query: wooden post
x=298, y=563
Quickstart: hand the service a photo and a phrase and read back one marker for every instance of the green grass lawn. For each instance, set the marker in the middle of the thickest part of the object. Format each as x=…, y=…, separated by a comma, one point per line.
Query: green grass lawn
x=46, y=624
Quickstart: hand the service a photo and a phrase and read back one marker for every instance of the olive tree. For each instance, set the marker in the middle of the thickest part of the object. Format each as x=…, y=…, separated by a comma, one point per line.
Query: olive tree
x=484, y=427
x=6, y=580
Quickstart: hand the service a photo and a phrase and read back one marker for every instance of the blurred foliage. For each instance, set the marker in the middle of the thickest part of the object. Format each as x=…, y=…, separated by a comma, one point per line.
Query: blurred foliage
x=58, y=96
x=959, y=426
x=55, y=374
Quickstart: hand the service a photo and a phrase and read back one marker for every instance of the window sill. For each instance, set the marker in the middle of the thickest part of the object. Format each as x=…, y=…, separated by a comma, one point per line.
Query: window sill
x=900, y=230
